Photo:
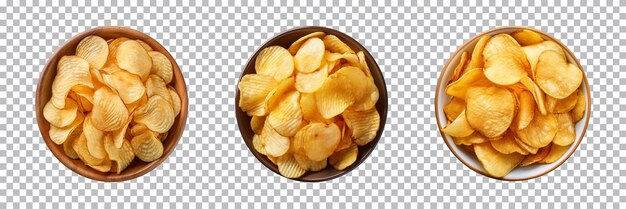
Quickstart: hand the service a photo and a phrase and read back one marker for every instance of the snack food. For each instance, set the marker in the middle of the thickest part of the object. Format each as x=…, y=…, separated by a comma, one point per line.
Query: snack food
x=111, y=103
x=514, y=101
x=311, y=105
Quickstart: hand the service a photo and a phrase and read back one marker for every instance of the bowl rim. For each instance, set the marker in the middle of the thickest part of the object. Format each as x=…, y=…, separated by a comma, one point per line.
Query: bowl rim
x=471, y=41
x=66, y=161
x=382, y=113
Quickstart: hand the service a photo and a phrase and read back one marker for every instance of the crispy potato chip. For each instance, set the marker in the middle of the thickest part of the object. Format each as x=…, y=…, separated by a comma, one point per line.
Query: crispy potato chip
x=527, y=37
x=176, y=103
x=94, y=50
x=68, y=145
x=59, y=135
x=129, y=86
x=369, y=99
x=507, y=144
x=490, y=110
x=460, y=67
x=104, y=166
x=161, y=66
x=71, y=71
x=351, y=58
x=139, y=129
x=307, y=164
x=474, y=138
x=309, y=109
x=253, y=89
x=274, y=143
x=84, y=92
x=334, y=44
x=533, y=158
x=156, y=86
x=526, y=110
x=541, y=130
x=459, y=127
x=556, y=152
x=80, y=146
x=318, y=140
x=566, y=134
x=554, y=105
x=147, y=147
x=122, y=155
x=132, y=57
x=474, y=77
x=274, y=61
x=113, y=46
x=340, y=90
x=477, y=60
x=133, y=106
x=533, y=51
x=109, y=112
x=579, y=109
x=528, y=148
x=311, y=82
x=309, y=56
x=256, y=123
x=295, y=46
x=362, y=64
x=157, y=114
x=555, y=76
x=363, y=124
x=278, y=93
x=346, y=136
x=60, y=117
x=287, y=116
x=342, y=159
x=453, y=108
x=94, y=138
x=272, y=159
x=537, y=94
x=258, y=145
x=505, y=61
x=118, y=135
x=288, y=166
x=144, y=45
x=495, y=163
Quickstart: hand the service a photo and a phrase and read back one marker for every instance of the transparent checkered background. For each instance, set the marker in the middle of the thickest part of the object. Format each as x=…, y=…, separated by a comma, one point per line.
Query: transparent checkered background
x=211, y=166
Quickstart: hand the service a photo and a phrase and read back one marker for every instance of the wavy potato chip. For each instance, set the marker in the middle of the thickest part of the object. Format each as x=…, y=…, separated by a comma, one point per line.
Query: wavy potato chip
x=555, y=76
x=143, y=44
x=253, y=89
x=129, y=86
x=346, y=136
x=362, y=64
x=311, y=82
x=94, y=50
x=307, y=164
x=474, y=138
x=526, y=110
x=554, y=105
x=139, y=129
x=161, y=66
x=288, y=166
x=527, y=37
x=176, y=103
x=256, y=123
x=118, y=135
x=477, y=60
x=122, y=155
x=342, y=159
x=495, y=163
x=61, y=117
x=474, y=77
x=453, y=108
x=340, y=90
x=80, y=147
x=132, y=107
x=274, y=61
x=566, y=134
x=309, y=109
x=528, y=148
x=258, y=145
x=147, y=147
x=363, y=124
x=556, y=152
x=274, y=143
x=369, y=99
x=537, y=94
x=541, y=130
x=156, y=86
x=533, y=158
x=505, y=61
x=533, y=51
x=309, y=56
x=113, y=46
x=335, y=44
x=351, y=58
x=71, y=71
x=277, y=94
x=579, y=109
x=295, y=46
x=68, y=146
x=132, y=57
x=157, y=114
x=287, y=116
x=318, y=140
x=490, y=110
x=104, y=166
x=507, y=144
x=109, y=112
x=459, y=127
x=94, y=138
x=59, y=135
x=458, y=70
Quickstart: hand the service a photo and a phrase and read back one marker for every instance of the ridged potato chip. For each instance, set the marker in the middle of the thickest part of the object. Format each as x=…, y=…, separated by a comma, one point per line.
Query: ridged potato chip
x=495, y=163
x=288, y=166
x=60, y=117
x=555, y=153
x=109, y=112
x=256, y=123
x=118, y=135
x=94, y=50
x=477, y=60
x=139, y=129
x=554, y=105
x=104, y=166
x=176, y=103
x=113, y=46
x=342, y=159
x=453, y=108
x=340, y=90
x=318, y=140
x=277, y=94
x=258, y=145
x=350, y=58
x=527, y=37
x=541, y=130
x=68, y=146
x=458, y=70
x=132, y=57
x=566, y=134
x=459, y=127
x=156, y=86
x=309, y=56
x=533, y=51
x=307, y=164
x=253, y=89
x=71, y=71
x=287, y=116
x=579, y=109
x=474, y=138
x=526, y=110
x=274, y=61
x=505, y=61
x=309, y=109
x=555, y=76
x=369, y=99
x=507, y=144
x=311, y=82
x=140, y=102
x=161, y=66
x=335, y=44
x=295, y=46
x=346, y=136
x=129, y=86
x=80, y=146
x=363, y=124
x=147, y=147
x=59, y=135
x=537, y=94
x=528, y=148
x=157, y=114
x=94, y=138
x=474, y=77
x=122, y=155
x=490, y=110
x=533, y=158
x=145, y=45
x=274, y=143
x=362, y=64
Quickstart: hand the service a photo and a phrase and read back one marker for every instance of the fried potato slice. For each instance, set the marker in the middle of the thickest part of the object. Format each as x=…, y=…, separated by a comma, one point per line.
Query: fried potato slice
x=453, y=108
x=157, y=114
x=346, y=136
x=253, y=89
x=80, y=146
x=490, y=110
x=71, y=71
x=556, y=152
x=507, y=144
x=258, y=145
x=161, y=66
x=309, y=109
x=363, y=124
x=554, y=105
x=295, y=46
x=459, y=127
x=351, y=58
x=256, y=123
x=156, y=86
x=274, y=97
x=533, y=51
x=477, y=60
x=94, y=138
x=458, y=70
x=307, y=164
x=527, y=37
x=474, y=77
x=287, y=116
x=139, y=129
x=537, y=94
x=132, y=57
x=113, y=46
x=318, y=140
x=109, y=112
x=579, y=109
x=340, y=90
x=533, y=158
x=555, y=76
x=94, y=50
x=147, y=147
x=176, y=103
x=528, y=148
x=61, y=117
x=566, y=133
x=541, y=130
x=129, y=86
x=526, y=110
x=362, y=64
x=344, y=158
x=132, y=107
x=309, y=56
x=505, y=61
x=118, y=135
x=495, y=163
x=274, y=61
x=274, y=143
x=334, y=44
x=68, y=145
x=311, y=82
x=288, y=166
x=59, y=135
x=474, y=138
x=369, y=99
x=122, y=155
x=104, y=166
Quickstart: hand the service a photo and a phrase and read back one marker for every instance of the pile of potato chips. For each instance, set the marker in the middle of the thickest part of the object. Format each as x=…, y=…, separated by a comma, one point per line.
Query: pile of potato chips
x=111, y=103
x=311, y=104
x=515, y=101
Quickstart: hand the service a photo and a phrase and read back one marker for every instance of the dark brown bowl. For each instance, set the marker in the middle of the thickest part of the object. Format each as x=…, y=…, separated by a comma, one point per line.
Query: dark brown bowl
x=137, y=167
x=285, y=39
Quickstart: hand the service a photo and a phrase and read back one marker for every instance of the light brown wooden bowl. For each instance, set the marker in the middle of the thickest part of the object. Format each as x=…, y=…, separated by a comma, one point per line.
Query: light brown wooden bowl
x=137, y=167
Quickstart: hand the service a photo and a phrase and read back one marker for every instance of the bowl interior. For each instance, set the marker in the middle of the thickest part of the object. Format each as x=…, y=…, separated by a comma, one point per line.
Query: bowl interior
x=285, y=39
x=137, y=167
x=469, y=159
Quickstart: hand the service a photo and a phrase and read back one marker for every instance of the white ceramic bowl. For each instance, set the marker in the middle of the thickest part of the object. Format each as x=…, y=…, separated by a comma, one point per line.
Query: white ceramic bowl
x=469, y=159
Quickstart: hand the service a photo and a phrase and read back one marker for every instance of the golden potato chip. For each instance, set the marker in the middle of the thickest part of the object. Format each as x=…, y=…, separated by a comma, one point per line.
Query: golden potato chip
x=274, y=61
x=84, y=92
x=537, y=94
x=363, y=124
x=60, y=117
x=533, y=158
x=477, y=54
x=132, y=57
x=340, y=90
x=495, y=163
x=288, y=166
x=104, y=166
x=122, y=155
x=118, y=135
x=541, y=130
x=362, y=64
x=526, y=110
x=307, y=164
x=309, y=56
x=139, y=129
x=59, y=135
x=109, y=112
x=274, y=143
x=309, y=109
x=554, y=105
x=275, y=96
x=505, y=61
x=295, y=46
x=507, y=144
x=334, y=44
x=94, y=138
x=113, y=46
x=94, y=50
x=533, y=51
x=129, y=86
x=566, y=134
x=156, y=86
x=555, y=76
x=287, y=116
x=147, y=147
x=528, y=148
x=258, y=145
x=369, y=99
x=342, y=159
x=318, y=140
x=68, y=145
x=474, y=138
x=459, y=67
x=80, y=146
x=346, y=136
x=556, y=152
x=527, y=37
x=351, y=58
x=157, y=114
x=161, y=66
x=256, y=123
x=176, y=103
x=140, y=102
x=144, y=45
x=490, y=110
x=459, y=127
x=453, y=108
x=71, y=71
x=272, y=159
x=474, y=77
x=579, y=109
x=311, y=82
x=253, y=89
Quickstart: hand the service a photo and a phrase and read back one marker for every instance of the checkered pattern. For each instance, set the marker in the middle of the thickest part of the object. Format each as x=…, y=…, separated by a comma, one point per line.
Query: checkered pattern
x=411, y=166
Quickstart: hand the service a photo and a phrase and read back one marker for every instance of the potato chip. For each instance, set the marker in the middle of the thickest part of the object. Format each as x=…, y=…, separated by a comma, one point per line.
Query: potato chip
x=460, y=67
x=490, y=110
x=272, y=159
x=369, y=99
x=346, y=136
x=363, y=124
x=147, y=147
x=157, y=114
x=537, y=94
x=71, y=71
x=60, y=117
x=528, y=148
x=113, y=46
x=287, y=116
x=533, y=51
x=507, y=144
x=311, y=82
x=474, y=138
x=256, y=123
x=351, y=58
x=342, y=159
x=176, y=103
x=362, y=64
x=459, y=127
x=80, y=146
x=453, y=108
x=109, y=112
x=118, y=135
x=129, y=86
x=309, y=109
x=340, y=90
x=555, y=76
x=533, y=158
x=541, y=130
x=505, y=61
x=161, y=66
x=318, y=140
x=132, y=107
x=295, y=46
x=554, y=105
x=94, y=138
x=556, y=152
x=68, y=145
x=335, y=44
x=104, y=166
x=274, y=61
x=94, y=50
x=122, y=155
x=258, y=145
x=477, y=60
x=143, y=44
x=474, y=77
x=526, y=110
x=253, y=89
x=132, y=57
x=139, y=129
x=579, y=109
x=527, y=37
x=307, y=164
x=495, y=163
x=156, y=86
x=288, y=166
x=58, y=135
x=309, y=56
x=274, y=143
x=566, y=134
